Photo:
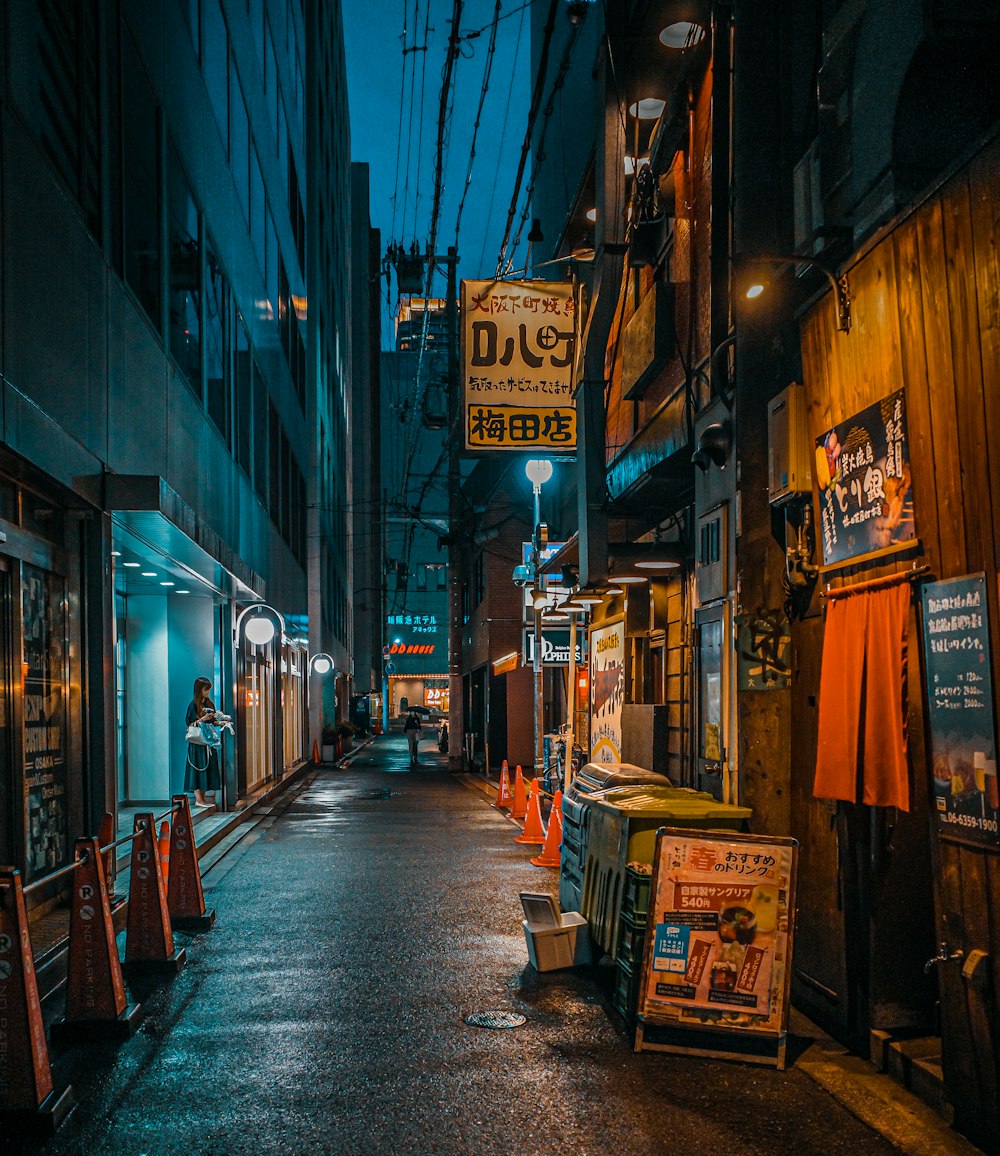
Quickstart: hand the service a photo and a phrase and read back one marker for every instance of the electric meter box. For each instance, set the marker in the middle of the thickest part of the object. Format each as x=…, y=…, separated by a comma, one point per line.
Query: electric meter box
x=789, y=454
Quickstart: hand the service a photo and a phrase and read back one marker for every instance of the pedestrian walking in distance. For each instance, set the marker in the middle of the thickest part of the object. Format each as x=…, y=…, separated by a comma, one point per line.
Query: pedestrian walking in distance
x=411, y=728
x=202, y=774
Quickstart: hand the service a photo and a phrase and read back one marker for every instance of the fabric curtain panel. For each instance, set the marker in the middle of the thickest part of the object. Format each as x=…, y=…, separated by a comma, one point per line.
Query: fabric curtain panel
x=862, y=699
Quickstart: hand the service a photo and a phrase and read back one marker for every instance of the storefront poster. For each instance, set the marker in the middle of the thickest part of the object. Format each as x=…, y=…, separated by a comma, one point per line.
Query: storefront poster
x=607, y=692
x=960, y=718
x=719, y=930
x=863, y=475
x=518, y=351
x=44, y=673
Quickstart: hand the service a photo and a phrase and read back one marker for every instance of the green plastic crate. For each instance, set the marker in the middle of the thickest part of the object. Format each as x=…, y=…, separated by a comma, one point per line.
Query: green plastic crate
x=635, y=897
x=625, y=999
x=631, y=941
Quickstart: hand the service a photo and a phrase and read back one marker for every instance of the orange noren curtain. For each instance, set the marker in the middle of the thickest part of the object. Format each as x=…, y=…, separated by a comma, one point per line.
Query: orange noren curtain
x=862, y=699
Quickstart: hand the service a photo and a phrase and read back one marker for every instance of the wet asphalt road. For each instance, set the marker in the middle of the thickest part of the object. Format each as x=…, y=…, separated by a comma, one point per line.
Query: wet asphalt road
x=324, y=1011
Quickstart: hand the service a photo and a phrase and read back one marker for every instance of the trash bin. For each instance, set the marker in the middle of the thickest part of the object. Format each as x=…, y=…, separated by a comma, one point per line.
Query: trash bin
x=621, y=828
x=554, y=940
x=589, y=780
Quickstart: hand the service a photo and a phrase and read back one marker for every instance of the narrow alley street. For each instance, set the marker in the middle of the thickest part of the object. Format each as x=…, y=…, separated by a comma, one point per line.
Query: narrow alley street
x=357, y=927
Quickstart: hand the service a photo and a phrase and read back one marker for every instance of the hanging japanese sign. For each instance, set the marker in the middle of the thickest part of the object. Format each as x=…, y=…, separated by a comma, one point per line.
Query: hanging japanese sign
x=863, y=474
x=763, y=651
x=518, y=351
x=960, y=720
x=719, y=938
x=607, y=691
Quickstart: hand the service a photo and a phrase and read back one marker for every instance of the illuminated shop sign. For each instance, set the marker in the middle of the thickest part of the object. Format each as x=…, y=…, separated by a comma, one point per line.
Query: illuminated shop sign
x=518, y=350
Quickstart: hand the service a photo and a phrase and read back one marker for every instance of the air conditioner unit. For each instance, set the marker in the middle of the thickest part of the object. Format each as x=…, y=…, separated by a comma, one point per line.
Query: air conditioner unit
x=807, y=198
x=789, y=453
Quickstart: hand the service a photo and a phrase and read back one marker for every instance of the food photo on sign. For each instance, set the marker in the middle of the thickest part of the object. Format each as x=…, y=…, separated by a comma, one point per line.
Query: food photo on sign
x=959, y=687
x=720, y=942
x=865, y=489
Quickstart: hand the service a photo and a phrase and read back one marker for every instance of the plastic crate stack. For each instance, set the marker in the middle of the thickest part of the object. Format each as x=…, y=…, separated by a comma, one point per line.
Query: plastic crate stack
x=631, y=940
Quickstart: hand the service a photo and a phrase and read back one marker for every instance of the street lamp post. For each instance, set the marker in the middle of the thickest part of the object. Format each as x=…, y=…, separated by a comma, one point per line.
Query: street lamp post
x=538, y=470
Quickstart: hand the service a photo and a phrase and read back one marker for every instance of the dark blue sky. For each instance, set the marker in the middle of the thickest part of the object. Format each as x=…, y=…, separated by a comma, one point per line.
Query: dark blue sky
x=402, y=193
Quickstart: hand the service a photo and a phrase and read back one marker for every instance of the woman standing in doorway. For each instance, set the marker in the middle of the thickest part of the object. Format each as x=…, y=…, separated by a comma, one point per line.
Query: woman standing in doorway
x=202, y=774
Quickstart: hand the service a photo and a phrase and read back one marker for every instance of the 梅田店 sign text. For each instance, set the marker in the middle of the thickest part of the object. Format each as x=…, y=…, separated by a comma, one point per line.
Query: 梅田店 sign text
x=518, y=352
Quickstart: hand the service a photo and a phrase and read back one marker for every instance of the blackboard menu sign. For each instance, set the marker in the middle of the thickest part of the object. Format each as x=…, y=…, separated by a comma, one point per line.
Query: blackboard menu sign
x=863, y=474
x=960, y=708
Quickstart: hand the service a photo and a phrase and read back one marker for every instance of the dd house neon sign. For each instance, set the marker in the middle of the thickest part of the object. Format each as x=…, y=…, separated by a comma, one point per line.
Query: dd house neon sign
x=412, y=648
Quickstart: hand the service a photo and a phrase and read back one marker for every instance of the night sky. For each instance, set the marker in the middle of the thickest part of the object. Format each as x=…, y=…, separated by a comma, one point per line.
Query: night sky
x=402, y=193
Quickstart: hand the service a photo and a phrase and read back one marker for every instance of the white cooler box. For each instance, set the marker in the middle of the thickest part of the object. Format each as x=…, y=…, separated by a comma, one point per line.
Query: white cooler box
x=554, y=940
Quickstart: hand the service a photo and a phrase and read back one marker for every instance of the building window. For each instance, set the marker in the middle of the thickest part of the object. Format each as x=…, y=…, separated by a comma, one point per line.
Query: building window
x=261, y=440
x=239, y=142
x=258, y=209
x=215, y=66
x=217, y=368
x=54, y=75
x=184, y=307
x=242, y=396
x=141, y=183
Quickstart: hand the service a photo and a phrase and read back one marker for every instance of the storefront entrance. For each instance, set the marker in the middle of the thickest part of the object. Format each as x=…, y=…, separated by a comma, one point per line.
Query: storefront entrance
x=168, y=632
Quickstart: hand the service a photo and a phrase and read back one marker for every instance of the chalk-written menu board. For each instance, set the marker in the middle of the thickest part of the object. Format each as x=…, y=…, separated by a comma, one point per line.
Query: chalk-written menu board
x=960, y=707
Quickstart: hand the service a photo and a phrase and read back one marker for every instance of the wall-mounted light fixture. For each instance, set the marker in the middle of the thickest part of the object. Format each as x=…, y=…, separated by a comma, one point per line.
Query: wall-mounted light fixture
x=755, y=284
x=713, y=446
x=321, y=664
x=258, y=623
x=577, y=10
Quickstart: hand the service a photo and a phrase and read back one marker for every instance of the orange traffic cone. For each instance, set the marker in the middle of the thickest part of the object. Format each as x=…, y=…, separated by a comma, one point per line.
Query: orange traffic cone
x=533, y=831
x=556, y=806
x=163, y=850
x=504, y=799
x=550, y=856
x=316, y=752
x=520, y=808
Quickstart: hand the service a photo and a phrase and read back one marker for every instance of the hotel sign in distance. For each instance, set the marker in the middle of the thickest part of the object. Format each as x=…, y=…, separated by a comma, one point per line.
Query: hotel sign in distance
x=519, y=341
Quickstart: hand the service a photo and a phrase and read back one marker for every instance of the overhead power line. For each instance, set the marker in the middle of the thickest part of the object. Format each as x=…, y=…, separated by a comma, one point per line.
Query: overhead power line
x=454, y=48
x=557, y=84
x=487, y=70
x=536, y=100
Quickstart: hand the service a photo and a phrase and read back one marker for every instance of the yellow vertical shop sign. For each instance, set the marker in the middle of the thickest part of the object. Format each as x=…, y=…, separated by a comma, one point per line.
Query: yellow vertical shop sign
x=518, y=352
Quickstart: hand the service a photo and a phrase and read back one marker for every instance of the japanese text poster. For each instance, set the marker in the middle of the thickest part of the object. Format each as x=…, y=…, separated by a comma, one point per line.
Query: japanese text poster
x=863, y=474
x=43, y=669
x=607, y=692
x=518, y=352
x=960, y=707
x=719, y=930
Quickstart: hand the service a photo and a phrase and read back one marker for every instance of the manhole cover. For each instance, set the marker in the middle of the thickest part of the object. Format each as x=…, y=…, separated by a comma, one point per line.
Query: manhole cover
x=495, y=1019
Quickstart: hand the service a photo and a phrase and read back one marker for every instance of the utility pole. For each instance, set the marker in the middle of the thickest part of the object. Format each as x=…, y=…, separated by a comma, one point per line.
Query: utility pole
x=456, y=704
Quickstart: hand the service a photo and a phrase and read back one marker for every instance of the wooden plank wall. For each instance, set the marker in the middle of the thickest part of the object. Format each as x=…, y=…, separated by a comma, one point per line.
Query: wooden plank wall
x=926, y=305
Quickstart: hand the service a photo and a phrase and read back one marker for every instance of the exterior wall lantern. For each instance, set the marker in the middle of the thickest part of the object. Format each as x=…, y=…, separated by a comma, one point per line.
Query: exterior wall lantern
x=756, y=285
x=258, y=624
x=320, y=664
